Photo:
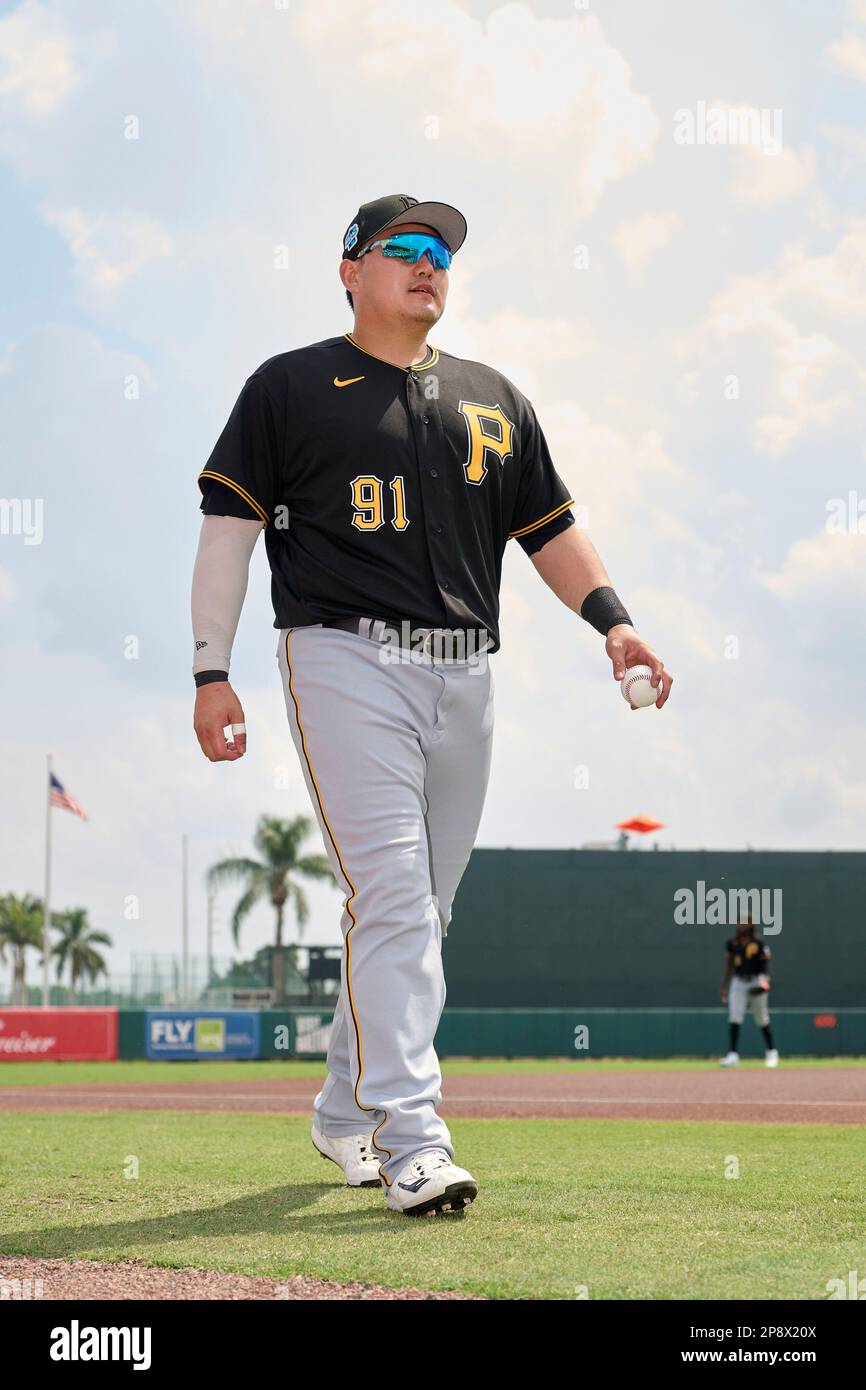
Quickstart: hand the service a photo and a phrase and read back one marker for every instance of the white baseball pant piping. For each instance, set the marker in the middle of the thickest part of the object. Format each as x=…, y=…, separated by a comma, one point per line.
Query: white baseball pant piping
x=396, y=758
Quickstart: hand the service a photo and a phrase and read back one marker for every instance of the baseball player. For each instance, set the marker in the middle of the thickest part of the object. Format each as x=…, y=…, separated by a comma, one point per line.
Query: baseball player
x=388, y=476
x=747, y=959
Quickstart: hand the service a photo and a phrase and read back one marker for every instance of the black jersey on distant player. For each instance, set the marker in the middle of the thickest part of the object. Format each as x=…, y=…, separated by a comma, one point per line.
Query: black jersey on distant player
x=385, y=492
x=749, y=956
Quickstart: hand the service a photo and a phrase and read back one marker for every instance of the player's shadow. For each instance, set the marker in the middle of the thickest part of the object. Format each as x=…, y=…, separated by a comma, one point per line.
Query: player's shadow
x=278, y=1209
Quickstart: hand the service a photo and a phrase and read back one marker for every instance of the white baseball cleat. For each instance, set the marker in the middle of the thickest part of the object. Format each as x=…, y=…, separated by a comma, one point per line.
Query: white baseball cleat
x=353, y=1153
x=430, y=1183
x=771, y=1058
x=732, y=1060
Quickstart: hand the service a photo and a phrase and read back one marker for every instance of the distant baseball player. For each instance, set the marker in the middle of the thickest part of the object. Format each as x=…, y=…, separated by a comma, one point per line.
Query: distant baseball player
x=388, y=476
x=747, y=960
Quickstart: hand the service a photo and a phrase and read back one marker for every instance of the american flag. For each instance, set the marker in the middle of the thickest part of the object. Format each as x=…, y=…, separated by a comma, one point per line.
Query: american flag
x=59, y=796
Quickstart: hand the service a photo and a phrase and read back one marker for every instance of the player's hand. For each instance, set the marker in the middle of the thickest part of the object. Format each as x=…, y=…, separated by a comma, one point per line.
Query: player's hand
x=723, y=995
x=217, y=705
x=626, y=649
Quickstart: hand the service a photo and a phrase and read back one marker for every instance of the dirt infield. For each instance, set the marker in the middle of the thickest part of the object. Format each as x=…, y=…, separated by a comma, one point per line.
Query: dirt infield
x=90, y=1280
x=790, y=1095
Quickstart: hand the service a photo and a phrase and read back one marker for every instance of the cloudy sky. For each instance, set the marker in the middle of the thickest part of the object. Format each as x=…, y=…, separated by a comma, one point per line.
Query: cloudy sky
x=666, y=252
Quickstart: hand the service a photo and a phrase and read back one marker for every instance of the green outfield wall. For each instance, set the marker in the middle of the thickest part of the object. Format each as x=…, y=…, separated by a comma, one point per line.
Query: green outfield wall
x=131, y=1038
x=642, y=1033
x=576, y=1032
x=541, y=928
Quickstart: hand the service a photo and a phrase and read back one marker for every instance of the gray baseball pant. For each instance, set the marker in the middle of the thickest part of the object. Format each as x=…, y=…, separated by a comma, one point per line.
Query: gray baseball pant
x=739, y=1000
x=396, y=757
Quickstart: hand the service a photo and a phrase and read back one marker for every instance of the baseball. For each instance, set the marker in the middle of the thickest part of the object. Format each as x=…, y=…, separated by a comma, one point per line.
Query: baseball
x=636, y=688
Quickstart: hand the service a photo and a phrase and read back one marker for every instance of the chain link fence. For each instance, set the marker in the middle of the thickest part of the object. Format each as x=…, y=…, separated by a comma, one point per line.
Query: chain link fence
x=311, y=975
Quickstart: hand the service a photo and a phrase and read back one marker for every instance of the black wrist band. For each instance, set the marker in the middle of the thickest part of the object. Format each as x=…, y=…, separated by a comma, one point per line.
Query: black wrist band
x=603, y=610
x=208, y=677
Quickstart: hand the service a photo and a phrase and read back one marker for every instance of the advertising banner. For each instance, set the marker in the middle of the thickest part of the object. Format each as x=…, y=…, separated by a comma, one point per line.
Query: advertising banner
x=175, y=1034
x=58, y=1035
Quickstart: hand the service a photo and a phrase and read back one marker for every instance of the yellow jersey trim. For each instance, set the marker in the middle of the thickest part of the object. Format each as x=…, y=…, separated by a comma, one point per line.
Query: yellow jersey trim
x=524, y=530
x=417, y=367
x=242, y=492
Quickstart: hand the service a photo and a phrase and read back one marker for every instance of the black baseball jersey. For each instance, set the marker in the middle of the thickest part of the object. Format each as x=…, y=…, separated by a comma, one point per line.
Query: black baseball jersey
x=749, y=956
x=385, y=491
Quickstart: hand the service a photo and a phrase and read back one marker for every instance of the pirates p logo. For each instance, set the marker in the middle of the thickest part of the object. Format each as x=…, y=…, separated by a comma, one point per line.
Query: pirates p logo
x=489, y=429
x=351, y=237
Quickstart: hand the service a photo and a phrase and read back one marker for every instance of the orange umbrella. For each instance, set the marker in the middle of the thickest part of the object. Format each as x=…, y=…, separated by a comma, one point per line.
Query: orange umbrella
x=642, y=824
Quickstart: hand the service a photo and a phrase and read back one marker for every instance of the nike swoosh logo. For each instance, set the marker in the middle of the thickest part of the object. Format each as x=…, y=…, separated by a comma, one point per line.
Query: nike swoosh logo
x=350, y=381
x=413, y=1186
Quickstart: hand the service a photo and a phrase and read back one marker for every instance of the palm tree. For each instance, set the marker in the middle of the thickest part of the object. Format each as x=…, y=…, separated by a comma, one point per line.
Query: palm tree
x=270, y=878
x=77, y=947
x=20, y=927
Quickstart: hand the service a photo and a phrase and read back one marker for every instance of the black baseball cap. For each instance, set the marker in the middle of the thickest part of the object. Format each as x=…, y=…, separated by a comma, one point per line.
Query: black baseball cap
x=396, y=209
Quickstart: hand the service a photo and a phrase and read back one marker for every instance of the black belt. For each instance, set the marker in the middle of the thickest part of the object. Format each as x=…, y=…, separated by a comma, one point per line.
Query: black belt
x=439, y=643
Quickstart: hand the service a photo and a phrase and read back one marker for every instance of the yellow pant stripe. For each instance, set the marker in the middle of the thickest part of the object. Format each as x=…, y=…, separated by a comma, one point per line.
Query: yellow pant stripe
x=349, y=900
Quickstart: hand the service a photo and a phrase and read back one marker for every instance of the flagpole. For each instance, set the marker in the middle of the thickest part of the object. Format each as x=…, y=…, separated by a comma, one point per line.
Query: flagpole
x=47, y=918
x=184, y=955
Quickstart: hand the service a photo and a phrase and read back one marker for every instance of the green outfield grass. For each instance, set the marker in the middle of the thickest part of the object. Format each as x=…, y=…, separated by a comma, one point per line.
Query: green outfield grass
x=110, y=1073
x=632, y=1210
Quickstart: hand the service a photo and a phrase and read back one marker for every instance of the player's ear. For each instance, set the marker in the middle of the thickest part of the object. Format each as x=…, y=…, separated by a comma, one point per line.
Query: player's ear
x=349, y=271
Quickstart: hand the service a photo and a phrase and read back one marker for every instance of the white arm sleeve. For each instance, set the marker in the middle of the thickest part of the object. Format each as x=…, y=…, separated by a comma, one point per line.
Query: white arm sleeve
x=219, y=586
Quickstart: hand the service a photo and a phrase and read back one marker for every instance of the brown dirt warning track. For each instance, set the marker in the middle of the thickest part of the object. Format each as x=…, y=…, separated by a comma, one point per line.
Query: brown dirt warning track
x=95, y=1281
x=790, y=1095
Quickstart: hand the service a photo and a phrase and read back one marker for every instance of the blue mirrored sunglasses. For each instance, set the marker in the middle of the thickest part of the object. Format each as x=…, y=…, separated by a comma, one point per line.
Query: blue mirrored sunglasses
x=411, y=246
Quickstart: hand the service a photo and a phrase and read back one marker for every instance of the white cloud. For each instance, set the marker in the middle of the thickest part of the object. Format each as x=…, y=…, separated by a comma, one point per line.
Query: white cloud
x=511, y=83
x=681, y=622
x=809, y=793
x=819, y=565
x=8, y=587
x=834, y=283
x=775, y=434
x=641, y=238
x=815, y=378
x=848, y=55
x=806, y=364
x=815, y=383
x=689, y=554
x=850, y=143
x=687, y=385
x=37, y=69
x=522, y=347
x=762, y=181
x=110, y=250
x=601, y=464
